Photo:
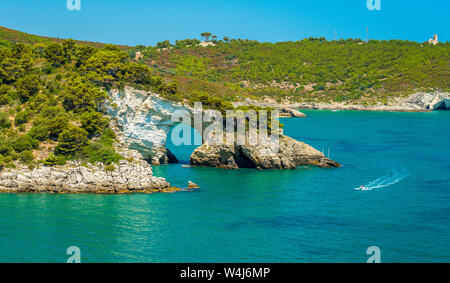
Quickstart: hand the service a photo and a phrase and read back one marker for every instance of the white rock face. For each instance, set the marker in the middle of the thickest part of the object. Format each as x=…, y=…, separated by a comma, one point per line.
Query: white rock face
x=430, y=101
x=144, y=119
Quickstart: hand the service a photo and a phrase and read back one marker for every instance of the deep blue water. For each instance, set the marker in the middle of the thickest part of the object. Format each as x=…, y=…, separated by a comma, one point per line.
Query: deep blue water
x=303, y=215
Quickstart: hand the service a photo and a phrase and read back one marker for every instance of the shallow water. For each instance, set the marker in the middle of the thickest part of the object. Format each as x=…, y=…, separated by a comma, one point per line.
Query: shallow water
x=303, y=215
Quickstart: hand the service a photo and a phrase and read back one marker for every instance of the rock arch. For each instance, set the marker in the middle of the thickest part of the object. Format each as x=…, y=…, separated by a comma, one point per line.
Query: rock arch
x=144, y=120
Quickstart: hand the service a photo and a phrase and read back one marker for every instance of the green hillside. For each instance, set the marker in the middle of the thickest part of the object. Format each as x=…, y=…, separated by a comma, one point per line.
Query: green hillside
x=309, y=70
x=8, y=36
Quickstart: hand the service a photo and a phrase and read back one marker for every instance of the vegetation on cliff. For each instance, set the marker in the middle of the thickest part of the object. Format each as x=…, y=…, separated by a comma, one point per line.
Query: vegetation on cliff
x=51, y=97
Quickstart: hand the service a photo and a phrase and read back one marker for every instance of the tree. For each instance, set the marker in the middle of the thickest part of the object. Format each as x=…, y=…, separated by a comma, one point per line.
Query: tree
x=81, y=96
x=226, y=39
x=54, y=53
x=82, y=54
x=69, y=49
x=27, y=87
x=93, y=122
x=206, y=35
x=164, y=44
x=72, y=140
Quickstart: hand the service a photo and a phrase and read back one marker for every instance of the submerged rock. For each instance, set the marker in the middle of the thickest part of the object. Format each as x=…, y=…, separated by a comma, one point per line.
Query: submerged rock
x=290, y=155
x=286, y=112
x=192, y=185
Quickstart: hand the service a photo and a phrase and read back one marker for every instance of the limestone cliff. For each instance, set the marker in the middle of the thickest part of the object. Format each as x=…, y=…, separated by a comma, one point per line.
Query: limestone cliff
x=144, y=119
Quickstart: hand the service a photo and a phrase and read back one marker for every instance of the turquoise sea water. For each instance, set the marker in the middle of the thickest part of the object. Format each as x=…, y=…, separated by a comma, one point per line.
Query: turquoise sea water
x=303, y=215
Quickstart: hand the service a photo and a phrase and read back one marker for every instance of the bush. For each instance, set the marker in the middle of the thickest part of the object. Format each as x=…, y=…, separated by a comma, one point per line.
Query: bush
x=39, y=132
x=53, y=160
x=93, y=122
x=26, y=156
x=27, y=87
x=54, y=119
x=54, y=53
x=72, y=140
x=5, y=147
x=110, y=168
x=25, y=142
x=22, y=118
x=4, y=99
x=5, y=122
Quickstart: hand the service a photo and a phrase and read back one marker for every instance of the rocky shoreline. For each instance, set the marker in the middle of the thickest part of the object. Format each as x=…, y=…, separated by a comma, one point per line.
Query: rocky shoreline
x=131, y=175
x=417, y=102
x=75, y=178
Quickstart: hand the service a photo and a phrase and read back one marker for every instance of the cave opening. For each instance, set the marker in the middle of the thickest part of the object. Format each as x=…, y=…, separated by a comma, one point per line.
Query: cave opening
x=181, y=152
x=443, y=105
x=242, y=160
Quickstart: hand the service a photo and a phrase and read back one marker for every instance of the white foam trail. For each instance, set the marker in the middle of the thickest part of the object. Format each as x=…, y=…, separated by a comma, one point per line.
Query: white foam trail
x=385, y=181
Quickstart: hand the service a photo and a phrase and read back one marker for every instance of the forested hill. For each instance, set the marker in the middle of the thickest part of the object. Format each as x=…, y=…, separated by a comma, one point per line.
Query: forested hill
x=14, y=36
x=307, y=70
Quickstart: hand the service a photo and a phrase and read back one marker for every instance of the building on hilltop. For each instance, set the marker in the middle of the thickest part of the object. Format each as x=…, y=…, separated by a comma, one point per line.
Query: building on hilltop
x=139, y=56
x=433, y=40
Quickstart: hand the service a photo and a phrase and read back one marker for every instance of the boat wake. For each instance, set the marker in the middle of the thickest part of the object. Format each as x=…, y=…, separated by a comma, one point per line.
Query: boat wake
x=385, y=181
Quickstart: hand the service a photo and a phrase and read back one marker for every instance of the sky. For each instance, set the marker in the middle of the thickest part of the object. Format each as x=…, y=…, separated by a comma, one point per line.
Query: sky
x=146, y=22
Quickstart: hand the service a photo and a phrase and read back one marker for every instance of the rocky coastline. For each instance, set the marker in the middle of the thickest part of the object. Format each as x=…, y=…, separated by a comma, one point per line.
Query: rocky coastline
x=130, y=175
x=417, y=102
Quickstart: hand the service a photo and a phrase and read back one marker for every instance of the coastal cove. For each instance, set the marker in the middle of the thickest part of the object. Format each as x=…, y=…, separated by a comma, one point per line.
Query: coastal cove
x=305, y=215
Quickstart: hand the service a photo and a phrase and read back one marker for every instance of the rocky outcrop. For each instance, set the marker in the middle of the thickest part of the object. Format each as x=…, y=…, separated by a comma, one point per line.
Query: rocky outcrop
x=429, y=101
x=192, y=185
x=290, y=155
x=286, y=112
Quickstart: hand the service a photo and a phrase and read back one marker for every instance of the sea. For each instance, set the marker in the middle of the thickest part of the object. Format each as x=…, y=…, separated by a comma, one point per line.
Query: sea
x=392, y=193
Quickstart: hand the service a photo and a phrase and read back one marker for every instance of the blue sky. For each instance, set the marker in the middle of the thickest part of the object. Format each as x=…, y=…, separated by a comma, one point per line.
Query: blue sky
x=146, y=22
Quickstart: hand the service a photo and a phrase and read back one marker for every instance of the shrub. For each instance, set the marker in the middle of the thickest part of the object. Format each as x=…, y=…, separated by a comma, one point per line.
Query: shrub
x=4, y=99
x=5, y=147
x=93, y=122
x=54, y=53
x=53, y=160
x=72, y=140
x=27, y=86
x=110, y=168
x=39, y=132
x=5, y=122
x=22, y=118
x=24, y=142
x=102, y=154
x=26, y=156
